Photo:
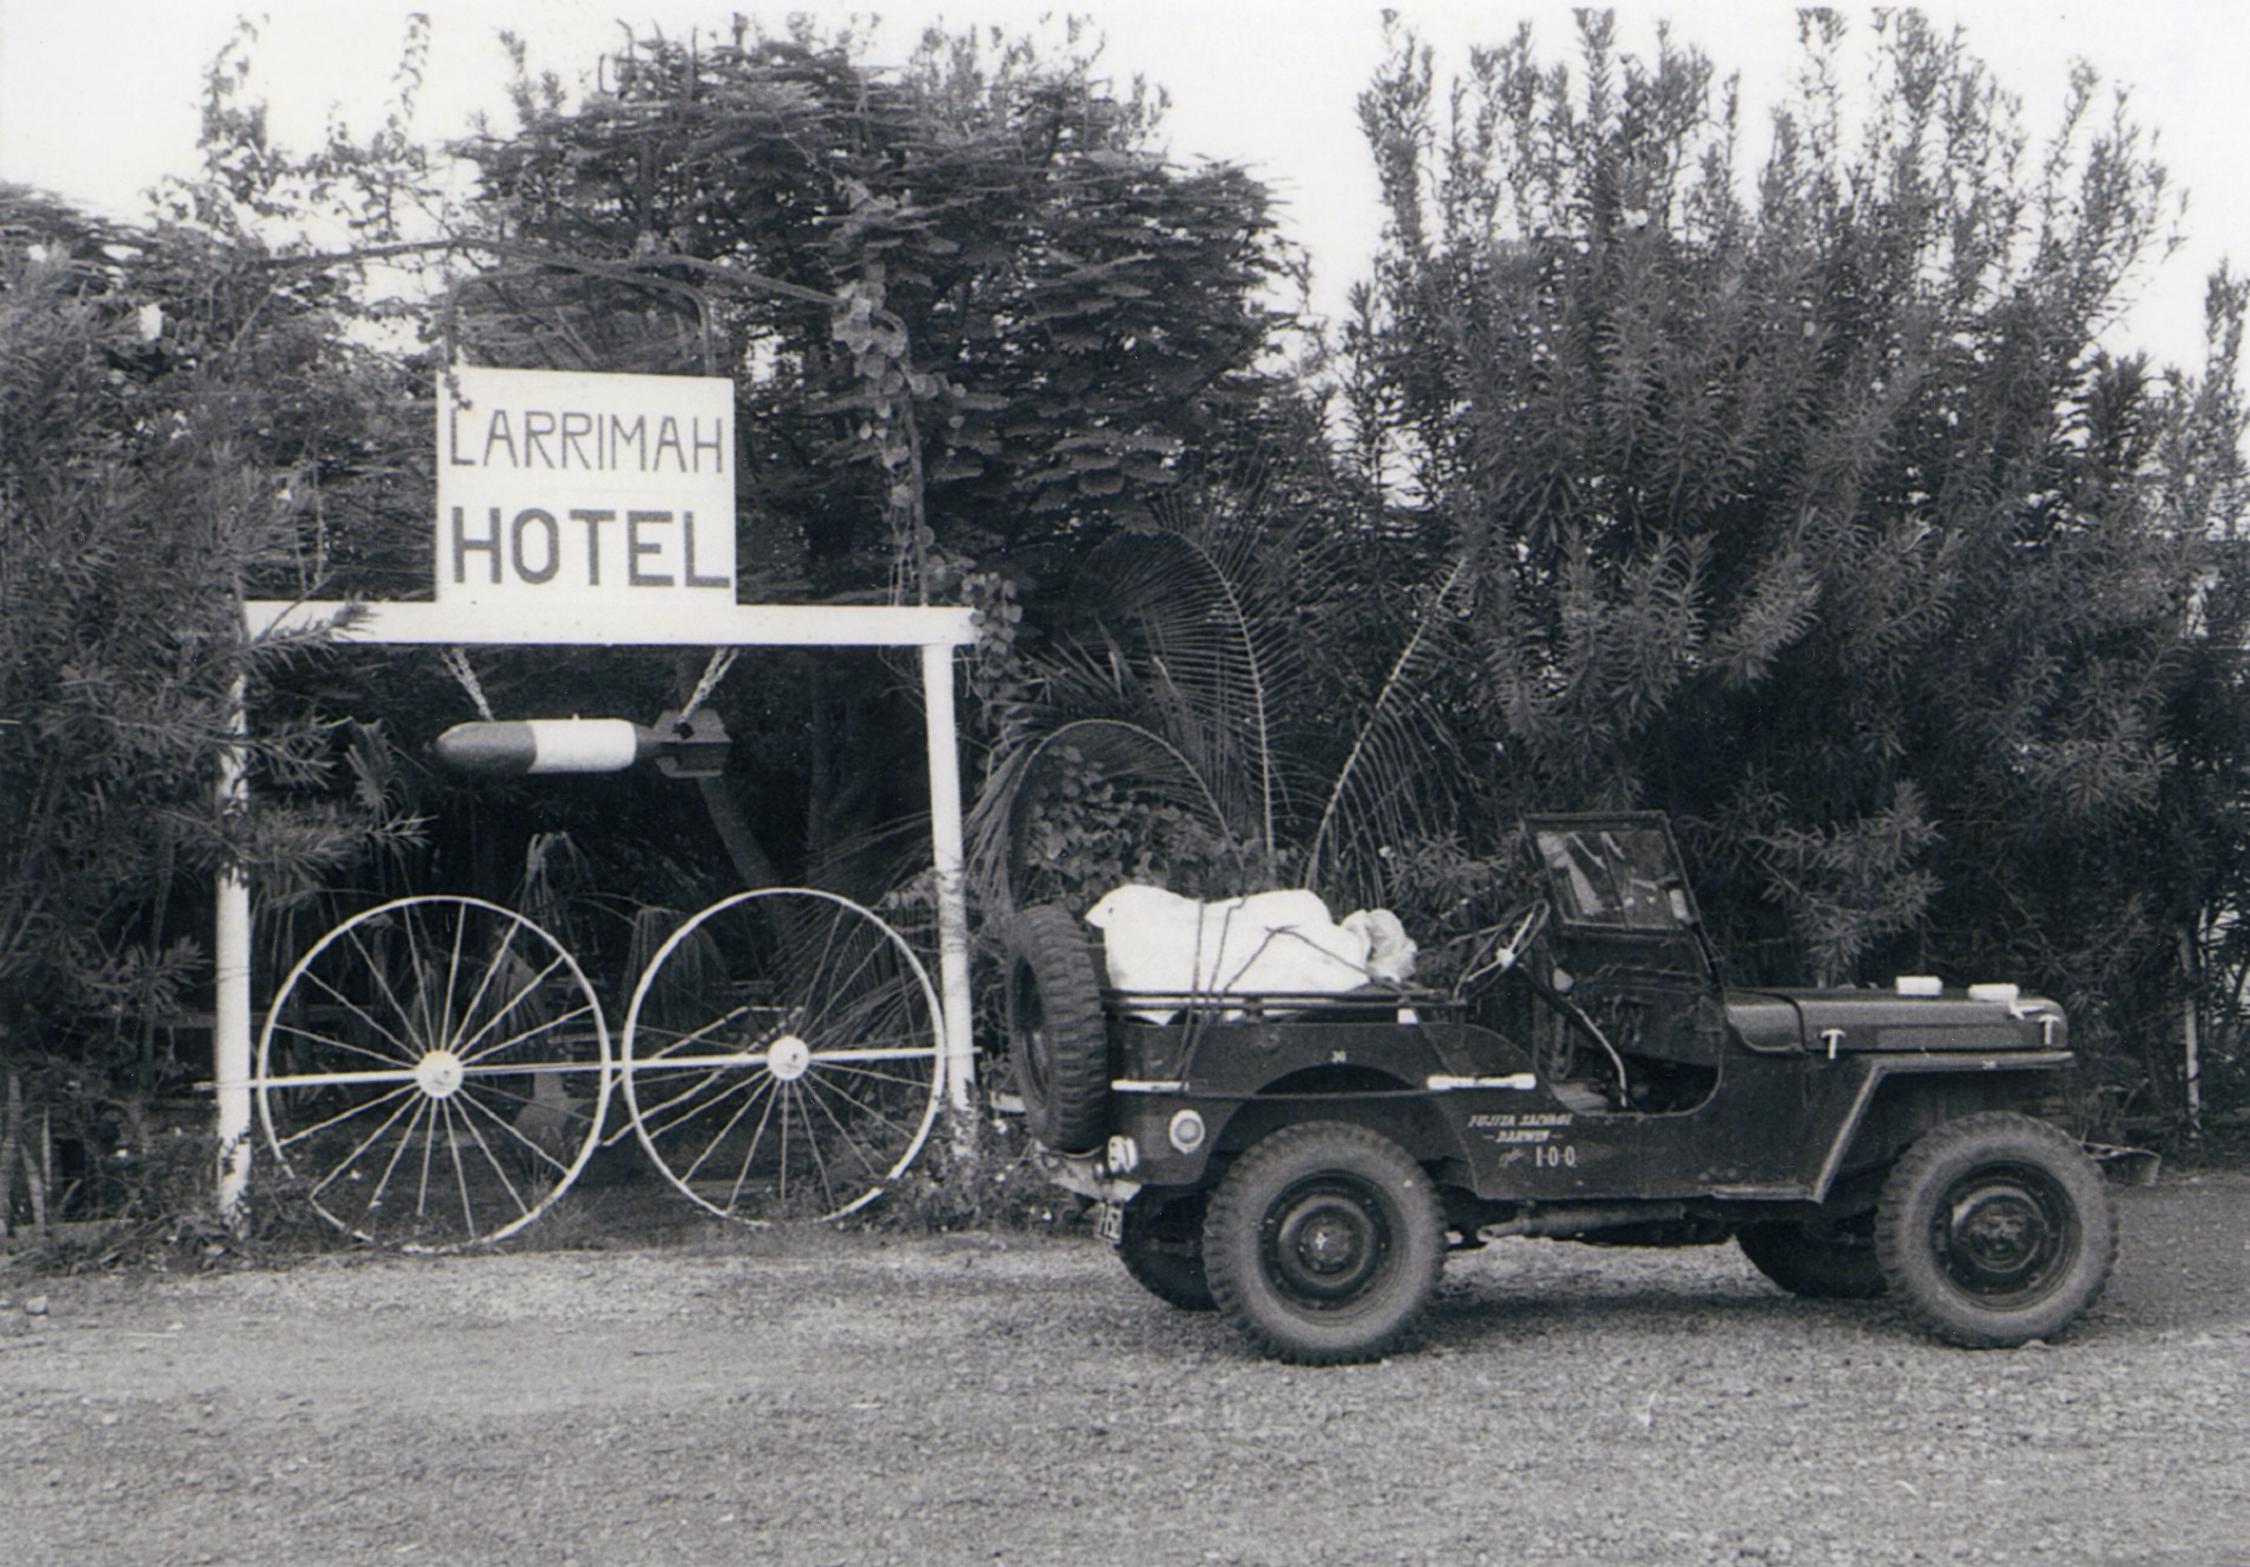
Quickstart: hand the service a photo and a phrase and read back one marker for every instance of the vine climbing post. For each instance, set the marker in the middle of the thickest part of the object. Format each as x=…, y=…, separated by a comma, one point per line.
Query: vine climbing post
x=948, y=864
x=230, y=1007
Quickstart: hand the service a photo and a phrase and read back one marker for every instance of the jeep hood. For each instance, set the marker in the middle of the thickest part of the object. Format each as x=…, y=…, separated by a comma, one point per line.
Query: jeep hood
x=1860, y=1020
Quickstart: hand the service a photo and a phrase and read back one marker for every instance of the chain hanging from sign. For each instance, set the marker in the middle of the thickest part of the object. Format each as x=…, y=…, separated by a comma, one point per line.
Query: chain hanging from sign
x=457, y=663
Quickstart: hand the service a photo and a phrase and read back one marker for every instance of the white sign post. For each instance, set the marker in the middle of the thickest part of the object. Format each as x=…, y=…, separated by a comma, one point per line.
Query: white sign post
x=598, y=510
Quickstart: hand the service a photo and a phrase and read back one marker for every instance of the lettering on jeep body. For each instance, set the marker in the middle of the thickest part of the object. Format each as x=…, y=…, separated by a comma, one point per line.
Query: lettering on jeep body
x=1540, y=1132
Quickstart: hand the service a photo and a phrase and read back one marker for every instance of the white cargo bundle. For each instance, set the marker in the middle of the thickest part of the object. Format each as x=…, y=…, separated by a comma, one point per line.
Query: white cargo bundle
x=1273, y=943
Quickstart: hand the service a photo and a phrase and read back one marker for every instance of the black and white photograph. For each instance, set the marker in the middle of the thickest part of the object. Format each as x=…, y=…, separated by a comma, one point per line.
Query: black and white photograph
x=1293, y=785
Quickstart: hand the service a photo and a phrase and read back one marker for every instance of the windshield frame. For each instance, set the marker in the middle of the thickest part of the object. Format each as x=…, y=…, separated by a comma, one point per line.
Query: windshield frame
x=1620, y=874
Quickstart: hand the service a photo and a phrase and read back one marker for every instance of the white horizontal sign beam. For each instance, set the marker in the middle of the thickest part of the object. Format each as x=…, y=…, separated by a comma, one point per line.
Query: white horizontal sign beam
x=713, y=625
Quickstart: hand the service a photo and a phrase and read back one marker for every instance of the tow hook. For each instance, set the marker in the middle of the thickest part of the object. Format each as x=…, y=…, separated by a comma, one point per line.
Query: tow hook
x=1088, y=1177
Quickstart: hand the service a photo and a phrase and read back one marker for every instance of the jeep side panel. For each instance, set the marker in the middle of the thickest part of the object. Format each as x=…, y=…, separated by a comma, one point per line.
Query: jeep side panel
x=1779, y=1129
x=1246, y=1074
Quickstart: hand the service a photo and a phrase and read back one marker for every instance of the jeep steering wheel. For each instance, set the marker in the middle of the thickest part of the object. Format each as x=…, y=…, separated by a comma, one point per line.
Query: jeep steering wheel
x=1498, y=960
x=1528, y=928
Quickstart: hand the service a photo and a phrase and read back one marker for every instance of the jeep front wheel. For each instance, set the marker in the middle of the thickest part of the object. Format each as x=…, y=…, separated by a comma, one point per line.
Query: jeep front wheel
x=1996, y=1230
x=1323, y=1243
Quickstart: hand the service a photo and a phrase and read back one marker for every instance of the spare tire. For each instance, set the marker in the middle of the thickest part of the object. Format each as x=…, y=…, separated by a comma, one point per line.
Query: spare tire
x=1057, y=1038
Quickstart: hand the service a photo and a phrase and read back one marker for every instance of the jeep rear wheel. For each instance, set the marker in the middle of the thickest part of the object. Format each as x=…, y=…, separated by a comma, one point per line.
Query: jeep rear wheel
x=1819, y=1265
x=1996, y=1230
x=1057, y=1040
x=1162, y=1248
x=1323, y=1243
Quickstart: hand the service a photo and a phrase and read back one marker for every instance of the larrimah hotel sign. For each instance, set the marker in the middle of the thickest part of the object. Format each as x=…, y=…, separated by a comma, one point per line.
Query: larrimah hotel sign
x=589, y=502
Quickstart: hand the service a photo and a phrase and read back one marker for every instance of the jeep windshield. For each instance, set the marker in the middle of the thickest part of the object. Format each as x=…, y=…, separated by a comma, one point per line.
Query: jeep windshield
x=1620, y=876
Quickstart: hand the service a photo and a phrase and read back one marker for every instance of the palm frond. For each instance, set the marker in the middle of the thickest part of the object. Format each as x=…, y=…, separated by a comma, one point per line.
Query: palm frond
x=1128, y=756
x=1186, y=617
x=1400, y=746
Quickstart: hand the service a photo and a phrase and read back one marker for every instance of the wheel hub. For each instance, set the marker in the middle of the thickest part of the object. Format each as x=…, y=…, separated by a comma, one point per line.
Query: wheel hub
x=788, y=1057
x=1999, y=1238
x=1324, y=1247
x=1329, y=1244
x=439, y=1074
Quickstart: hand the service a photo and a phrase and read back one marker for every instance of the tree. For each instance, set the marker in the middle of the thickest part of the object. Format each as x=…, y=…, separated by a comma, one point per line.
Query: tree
x=975, y=322
x=976, y=325
x=1067, y=313
x=1816, y=512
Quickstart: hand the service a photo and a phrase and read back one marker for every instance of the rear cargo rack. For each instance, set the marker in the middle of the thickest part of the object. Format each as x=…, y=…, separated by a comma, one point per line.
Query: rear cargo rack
x=1261, y=1005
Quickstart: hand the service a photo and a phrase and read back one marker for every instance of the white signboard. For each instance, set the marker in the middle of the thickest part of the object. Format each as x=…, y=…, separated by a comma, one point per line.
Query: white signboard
x=593, y=503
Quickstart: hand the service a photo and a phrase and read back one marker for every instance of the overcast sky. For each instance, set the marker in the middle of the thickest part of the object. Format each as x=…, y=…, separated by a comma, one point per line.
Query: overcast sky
x=98, y=97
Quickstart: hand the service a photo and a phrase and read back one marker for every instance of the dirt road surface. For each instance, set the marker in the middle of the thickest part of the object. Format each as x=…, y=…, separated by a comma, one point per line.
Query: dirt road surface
x=862, y=1399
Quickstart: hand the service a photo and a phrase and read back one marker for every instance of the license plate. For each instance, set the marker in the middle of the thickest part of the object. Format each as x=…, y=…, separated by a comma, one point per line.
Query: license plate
x=1109, y=1222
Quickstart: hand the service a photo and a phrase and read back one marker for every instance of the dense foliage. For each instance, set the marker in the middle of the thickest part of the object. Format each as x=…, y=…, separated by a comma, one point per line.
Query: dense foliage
x=974, y=321
x=1810, y=502
x=156, y=394
x=1810, y=506
x=974, y=273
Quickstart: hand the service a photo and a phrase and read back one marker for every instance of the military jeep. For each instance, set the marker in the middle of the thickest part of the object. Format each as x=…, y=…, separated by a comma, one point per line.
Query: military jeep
x=1303, y=1163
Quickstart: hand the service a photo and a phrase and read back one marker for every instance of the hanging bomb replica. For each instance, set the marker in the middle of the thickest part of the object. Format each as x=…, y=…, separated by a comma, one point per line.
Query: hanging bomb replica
x=690, y=747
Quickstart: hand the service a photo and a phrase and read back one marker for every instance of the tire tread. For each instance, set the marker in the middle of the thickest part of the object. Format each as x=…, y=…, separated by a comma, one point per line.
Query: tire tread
x=1067, y=1106
x=1910, y=1272
x=1228, y=1213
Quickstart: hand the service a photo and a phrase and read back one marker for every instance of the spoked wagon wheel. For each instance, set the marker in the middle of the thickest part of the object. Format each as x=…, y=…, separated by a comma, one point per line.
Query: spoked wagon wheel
x=781, y=1056
x=436, y=1071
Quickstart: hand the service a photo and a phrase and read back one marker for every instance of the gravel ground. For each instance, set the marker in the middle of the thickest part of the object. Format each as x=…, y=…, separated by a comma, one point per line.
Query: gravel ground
x=861, y=1399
